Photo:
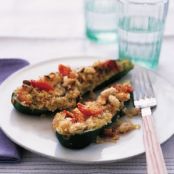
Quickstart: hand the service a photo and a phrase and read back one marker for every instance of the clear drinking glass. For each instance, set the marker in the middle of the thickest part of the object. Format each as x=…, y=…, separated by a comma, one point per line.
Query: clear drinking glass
x=101, y=18
x=140, y=30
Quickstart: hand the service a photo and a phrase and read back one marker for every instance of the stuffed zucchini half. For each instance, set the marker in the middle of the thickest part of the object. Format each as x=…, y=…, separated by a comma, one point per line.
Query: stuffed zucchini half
x=62, y=90
x=80, y=126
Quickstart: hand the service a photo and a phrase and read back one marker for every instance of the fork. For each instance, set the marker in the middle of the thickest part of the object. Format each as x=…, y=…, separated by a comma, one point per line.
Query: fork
x=144, y=98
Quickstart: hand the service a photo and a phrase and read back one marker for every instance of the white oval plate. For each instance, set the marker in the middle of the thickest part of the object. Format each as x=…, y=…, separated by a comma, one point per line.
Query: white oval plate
x=36, y=134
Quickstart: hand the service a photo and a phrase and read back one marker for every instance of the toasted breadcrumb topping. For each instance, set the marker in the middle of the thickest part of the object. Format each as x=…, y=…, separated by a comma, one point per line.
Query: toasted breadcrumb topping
x=60, y=90
x=96, y=114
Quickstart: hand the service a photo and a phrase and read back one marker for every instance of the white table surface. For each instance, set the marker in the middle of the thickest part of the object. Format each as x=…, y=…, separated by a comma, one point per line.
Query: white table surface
x=69, y=41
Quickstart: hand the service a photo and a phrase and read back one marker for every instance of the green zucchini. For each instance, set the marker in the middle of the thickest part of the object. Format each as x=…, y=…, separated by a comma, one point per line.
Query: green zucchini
x=128, y=66
x=79, y=141
x=80, y=126
x=111, y=76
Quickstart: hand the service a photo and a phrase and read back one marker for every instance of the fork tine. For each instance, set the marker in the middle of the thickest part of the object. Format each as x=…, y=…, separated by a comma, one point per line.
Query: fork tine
x=138, y=85
x=148, y=85
x=142, y=84
x=135, y=81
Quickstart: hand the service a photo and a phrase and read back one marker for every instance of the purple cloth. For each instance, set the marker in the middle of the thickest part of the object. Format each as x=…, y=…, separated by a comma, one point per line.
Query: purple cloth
x=9, y=151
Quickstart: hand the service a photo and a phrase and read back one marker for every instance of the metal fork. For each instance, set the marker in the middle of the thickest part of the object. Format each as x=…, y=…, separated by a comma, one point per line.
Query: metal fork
x=144, y=98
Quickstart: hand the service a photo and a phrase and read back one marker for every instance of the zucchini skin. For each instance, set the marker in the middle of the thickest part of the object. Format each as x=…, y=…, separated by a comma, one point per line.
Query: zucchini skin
x=79, y=141
x=32, y=111
x=112, y=79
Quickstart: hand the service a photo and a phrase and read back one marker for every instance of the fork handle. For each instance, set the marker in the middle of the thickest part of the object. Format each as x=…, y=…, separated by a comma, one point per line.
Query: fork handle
x=154, y=155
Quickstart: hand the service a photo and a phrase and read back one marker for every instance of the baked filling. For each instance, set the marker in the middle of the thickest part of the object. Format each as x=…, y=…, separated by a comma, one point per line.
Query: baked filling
x=93, y=114
x=61, y=90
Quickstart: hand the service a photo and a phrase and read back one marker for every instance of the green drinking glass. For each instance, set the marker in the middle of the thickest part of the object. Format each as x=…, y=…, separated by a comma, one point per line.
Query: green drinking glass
x=140, y=30
x=101, y=17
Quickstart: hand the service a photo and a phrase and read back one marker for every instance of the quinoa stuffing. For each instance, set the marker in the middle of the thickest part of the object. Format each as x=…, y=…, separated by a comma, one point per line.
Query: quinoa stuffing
x=92, y=114
x=62, y=89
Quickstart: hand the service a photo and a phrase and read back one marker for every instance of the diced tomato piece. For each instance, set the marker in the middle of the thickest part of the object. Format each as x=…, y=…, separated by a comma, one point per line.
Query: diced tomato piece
x=72, y=75
x=124, y=88
x=89, y=112
x=41, y=85
x=110, y=64
x=75, y=116
x=78, y=116
x=70, y=114
x=64, y=70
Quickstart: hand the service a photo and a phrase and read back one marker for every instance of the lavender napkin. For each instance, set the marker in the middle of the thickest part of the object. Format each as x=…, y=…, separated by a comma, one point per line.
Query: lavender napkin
x=9, y=152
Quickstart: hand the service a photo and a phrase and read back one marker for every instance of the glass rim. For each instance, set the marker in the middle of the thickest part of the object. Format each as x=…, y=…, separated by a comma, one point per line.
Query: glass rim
x=142, y=2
